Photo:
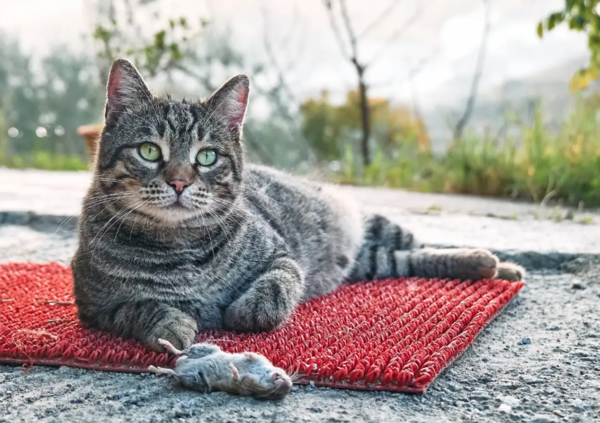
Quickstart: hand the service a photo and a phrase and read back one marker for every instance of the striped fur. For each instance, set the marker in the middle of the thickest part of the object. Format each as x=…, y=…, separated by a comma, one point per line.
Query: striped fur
x=240, y=247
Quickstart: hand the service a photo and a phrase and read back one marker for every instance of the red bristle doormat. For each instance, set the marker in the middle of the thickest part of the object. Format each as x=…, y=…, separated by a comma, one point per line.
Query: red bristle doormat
x=395, y=334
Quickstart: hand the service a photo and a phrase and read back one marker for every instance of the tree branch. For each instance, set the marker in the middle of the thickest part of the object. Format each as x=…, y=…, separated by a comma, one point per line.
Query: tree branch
x=384, y=14
x=335, y=29
x=282, y=106
x=399, y=31
x=462, y=123
x=350, y=32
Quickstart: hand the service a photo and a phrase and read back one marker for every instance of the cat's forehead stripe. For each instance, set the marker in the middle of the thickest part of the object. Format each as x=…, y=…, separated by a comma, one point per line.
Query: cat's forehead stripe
x=193, y=118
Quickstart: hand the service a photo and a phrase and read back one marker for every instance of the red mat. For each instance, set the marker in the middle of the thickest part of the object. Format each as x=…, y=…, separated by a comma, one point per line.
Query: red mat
x=395, y=335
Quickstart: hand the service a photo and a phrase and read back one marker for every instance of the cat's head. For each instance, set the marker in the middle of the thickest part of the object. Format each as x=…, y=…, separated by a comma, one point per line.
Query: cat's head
x=169, y=160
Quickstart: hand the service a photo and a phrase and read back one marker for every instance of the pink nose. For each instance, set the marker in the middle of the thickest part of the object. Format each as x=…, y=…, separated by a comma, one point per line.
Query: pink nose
x=179, y=185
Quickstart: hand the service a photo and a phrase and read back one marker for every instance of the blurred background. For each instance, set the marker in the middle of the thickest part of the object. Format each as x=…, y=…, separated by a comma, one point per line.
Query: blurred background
x=488, y=97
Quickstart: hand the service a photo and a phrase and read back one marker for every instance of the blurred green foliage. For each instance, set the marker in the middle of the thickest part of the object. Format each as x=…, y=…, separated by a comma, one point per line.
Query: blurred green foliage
x=42, y=104
x=582, y=16
x=328, y=128
x=533, y=165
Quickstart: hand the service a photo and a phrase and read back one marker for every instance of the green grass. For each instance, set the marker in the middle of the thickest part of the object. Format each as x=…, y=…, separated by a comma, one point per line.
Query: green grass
x=45, y=160
x=534, y=165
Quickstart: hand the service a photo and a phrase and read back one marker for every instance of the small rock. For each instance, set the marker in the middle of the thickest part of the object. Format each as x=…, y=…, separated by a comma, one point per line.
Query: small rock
x=579, y=405
x=558, y=413
x=76, y=401
x=510, y=400
x=64, y=369
x=554, y=328
x=556, y=401
x=578, y=286
x=186, y=404
x=542, y=418
x=479, y=396
x=183, y=413
x=505, y=408
x=316, y=409
x=524, y=341
x=530, y=379
x=485, y=379
x=140, y=404
x=453, y=387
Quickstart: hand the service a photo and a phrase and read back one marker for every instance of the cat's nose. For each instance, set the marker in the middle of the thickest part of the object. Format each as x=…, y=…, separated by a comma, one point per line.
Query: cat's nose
x=179, y=185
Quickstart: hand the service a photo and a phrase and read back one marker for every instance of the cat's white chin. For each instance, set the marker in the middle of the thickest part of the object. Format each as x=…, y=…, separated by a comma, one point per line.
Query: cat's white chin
x=174, y=214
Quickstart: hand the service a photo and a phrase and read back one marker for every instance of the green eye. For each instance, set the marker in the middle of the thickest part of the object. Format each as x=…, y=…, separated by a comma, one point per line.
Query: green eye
x=207, y=157
x=150, y=152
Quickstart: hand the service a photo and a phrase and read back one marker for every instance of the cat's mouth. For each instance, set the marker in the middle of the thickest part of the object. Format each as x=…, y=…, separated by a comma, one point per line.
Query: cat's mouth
x=178, y=205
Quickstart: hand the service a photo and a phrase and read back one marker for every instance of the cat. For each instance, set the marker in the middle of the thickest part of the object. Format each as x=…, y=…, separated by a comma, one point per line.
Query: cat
x=178, y=234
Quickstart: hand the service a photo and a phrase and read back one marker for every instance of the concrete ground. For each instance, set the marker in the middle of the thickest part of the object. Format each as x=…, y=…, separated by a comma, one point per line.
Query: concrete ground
x=539, y=361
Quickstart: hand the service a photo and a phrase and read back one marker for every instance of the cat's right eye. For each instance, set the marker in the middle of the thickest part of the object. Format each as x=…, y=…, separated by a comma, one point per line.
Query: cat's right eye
x=150, y=151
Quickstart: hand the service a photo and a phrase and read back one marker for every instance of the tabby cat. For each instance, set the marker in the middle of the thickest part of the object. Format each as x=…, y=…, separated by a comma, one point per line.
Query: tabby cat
x=179, y=234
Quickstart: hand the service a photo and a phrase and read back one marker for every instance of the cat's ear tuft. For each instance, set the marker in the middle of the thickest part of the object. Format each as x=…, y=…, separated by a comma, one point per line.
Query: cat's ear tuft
x=126, y=88
x=230, y=101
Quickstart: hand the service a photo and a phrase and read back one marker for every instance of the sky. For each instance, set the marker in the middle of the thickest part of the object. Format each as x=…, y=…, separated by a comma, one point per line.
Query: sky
x=444, y=38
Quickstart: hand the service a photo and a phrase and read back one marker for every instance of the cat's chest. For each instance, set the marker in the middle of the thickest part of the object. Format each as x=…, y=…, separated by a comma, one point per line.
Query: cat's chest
x=197, y=276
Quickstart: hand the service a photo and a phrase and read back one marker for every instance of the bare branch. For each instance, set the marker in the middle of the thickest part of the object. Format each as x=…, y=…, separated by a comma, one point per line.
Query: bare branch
x=272, y=57
x=419, y=66
x=202, y=79
x=384, y=14
x=399, y=31
x=335, y=29
x=462, y=123
x=350, y=31
x=282, y=86
x=286, y=40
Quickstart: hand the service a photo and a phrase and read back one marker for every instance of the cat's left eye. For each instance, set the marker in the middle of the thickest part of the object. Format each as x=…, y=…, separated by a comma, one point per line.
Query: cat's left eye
x=206, y=157
x=150, y=151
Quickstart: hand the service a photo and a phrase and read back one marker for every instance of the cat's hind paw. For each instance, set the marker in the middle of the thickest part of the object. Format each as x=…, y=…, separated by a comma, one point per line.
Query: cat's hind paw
x=510, y=272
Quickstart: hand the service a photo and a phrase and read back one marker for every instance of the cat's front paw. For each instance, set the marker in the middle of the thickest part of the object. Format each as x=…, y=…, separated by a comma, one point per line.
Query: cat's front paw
x=269, y=301
x=178, y=329
x=249, y=315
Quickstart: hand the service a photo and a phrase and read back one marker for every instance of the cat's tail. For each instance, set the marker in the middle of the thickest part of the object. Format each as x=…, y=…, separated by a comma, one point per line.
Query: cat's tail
x=377, y=257
x=391, y=251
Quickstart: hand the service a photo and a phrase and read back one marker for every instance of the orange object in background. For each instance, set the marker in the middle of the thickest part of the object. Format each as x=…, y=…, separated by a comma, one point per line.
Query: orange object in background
x=91, y=135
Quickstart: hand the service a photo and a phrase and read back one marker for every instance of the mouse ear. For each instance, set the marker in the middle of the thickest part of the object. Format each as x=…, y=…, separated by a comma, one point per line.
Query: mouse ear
x=234, y=371
x=251, y=356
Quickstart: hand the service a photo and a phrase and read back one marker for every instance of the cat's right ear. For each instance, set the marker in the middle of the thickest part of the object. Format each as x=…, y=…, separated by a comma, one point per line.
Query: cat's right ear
x=126, y=88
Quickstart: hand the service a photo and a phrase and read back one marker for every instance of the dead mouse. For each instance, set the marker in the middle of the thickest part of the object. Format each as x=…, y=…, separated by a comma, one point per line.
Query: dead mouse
x=206, y=368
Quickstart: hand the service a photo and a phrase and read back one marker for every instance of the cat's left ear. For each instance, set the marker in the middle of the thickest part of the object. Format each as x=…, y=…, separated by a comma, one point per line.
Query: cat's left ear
x=230, y=102
x=125, y=89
